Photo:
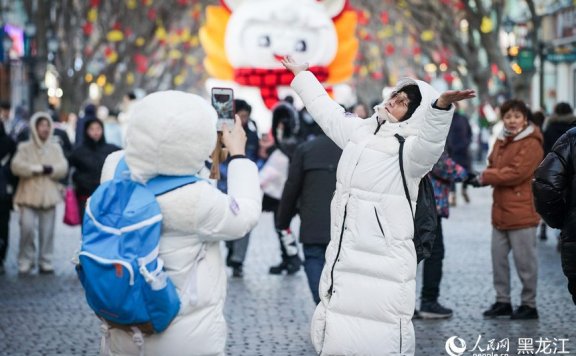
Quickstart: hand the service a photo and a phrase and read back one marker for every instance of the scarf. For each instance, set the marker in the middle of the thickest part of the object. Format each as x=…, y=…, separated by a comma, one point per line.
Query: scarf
x=268, y=80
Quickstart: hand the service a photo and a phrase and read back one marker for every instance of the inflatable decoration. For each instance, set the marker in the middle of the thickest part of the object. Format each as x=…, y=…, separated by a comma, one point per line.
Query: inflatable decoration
x=245, y=39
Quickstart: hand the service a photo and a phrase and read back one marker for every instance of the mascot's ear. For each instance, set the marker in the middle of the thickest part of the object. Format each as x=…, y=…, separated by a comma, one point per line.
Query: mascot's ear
x=232, y=5
x=334, y=7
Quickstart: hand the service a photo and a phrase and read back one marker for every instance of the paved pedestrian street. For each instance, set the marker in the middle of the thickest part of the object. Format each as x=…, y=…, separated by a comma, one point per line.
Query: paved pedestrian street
x=269, y=315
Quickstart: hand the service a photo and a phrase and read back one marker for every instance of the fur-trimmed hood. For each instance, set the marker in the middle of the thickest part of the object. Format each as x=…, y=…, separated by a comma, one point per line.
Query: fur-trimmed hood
x=34, y=132
x=170, y=133
x=564, y=119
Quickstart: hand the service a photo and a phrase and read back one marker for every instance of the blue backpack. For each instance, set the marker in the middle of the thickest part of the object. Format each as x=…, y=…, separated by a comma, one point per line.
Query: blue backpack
x=119, y=267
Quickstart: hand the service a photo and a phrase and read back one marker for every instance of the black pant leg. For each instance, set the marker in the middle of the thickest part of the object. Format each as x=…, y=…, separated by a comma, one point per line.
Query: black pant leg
x=4, y=228
x=432, y=269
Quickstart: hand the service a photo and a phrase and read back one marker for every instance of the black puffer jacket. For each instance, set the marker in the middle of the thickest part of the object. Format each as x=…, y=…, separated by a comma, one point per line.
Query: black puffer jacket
x=554, y=189
x=88, y=159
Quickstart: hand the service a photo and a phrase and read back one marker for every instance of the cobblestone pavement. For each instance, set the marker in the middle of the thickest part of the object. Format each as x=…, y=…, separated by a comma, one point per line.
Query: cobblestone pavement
x=269, y=315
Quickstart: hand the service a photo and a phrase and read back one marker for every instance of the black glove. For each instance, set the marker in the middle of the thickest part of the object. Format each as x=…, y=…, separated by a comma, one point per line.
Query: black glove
x=47, y=170
x=473, y=180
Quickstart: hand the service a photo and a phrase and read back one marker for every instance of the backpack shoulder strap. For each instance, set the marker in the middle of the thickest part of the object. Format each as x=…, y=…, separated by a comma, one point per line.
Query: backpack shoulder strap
x=158, y=185
x=163, y=184
x=401, y=159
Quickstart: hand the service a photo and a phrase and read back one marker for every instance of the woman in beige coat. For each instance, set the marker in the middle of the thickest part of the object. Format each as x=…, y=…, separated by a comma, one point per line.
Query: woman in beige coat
x=39, y=163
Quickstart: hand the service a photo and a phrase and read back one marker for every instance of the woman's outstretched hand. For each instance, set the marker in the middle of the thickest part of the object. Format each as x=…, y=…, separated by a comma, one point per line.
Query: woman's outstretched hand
x=293, y=66
x=451, y=96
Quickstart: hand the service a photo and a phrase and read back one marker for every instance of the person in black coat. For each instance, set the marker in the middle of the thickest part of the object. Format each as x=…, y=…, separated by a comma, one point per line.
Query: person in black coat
x=7, y=182
x=89, y=115
x=88, y=159
x=554, y=188
x=309, y=189
x=557, y=124
x=457, y=146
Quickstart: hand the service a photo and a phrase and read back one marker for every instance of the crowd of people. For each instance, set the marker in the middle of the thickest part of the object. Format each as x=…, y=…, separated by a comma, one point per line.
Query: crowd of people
x=337, y=168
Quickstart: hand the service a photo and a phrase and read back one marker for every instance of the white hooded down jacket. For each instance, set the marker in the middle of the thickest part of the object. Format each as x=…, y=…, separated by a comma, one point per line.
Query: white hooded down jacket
x=173, y=133
x=367, y=288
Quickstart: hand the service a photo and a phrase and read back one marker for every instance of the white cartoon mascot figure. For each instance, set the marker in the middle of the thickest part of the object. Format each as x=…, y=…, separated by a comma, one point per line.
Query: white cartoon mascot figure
x=244, y=41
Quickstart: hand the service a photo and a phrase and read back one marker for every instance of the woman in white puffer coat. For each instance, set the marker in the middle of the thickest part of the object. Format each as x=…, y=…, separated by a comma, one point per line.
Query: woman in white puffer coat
x=367, y=288
x=173, y=133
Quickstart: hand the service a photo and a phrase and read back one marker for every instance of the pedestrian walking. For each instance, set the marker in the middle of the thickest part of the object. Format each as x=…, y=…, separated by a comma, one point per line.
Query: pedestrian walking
x=173, y=133
x=273, y=175
x=237, y=248
x=7, y=183
x=458, y=147
x=367, y=288
x=89, y=113
x=555, y=199
x=515, y=155
x=308, y=191
x=38, y=163
x=87, y=159
x=562, y=120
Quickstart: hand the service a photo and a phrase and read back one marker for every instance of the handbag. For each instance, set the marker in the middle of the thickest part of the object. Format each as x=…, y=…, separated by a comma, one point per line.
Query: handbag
x=71, y=209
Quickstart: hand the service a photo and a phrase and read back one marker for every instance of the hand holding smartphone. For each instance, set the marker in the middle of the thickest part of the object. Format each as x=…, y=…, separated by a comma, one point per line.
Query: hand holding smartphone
x=223, y=102
x=234, y=138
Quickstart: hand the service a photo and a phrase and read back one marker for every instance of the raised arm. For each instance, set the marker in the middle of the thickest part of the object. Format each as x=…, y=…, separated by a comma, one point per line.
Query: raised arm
x=424, y=149
x=331, y=117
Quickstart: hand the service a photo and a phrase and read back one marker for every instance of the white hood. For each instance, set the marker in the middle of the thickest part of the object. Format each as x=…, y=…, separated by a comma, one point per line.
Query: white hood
x=429, y=95
x=170, y=133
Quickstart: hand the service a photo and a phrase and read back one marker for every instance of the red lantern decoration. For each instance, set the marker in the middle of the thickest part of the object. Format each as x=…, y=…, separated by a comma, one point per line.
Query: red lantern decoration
x=494, y=69
x=384, y=17
x=87, y=28
x=152, y=14
x=448, y=78
x=141, y=63
x=362, y=17
x=94, y=3
x=416, y=51
x=389, y=49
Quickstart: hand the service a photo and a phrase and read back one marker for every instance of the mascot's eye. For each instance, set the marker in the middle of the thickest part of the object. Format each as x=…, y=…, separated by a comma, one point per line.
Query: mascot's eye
x=300, y=46
x=264, y=41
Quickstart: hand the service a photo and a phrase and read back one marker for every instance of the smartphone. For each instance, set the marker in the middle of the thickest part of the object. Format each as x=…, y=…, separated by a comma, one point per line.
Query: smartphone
x=223, y=102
